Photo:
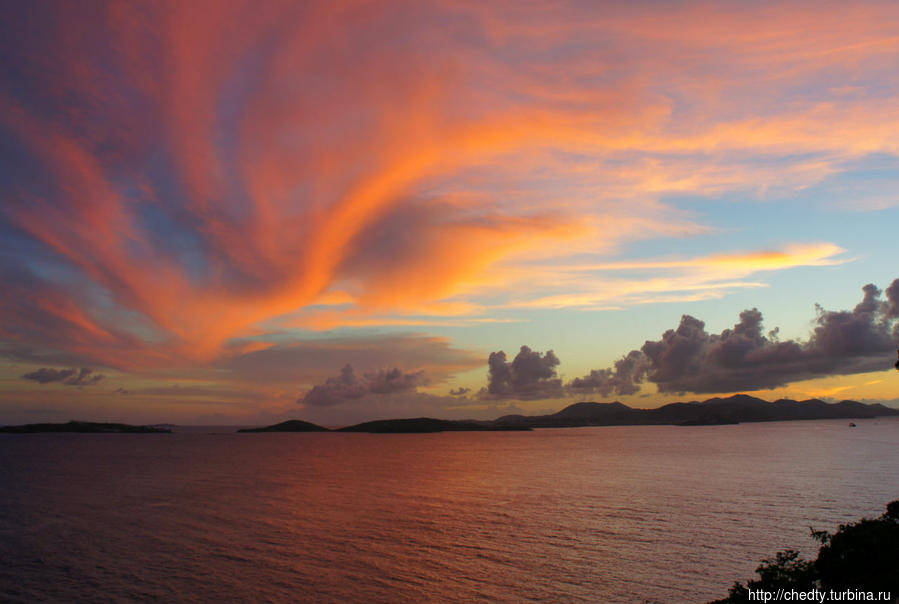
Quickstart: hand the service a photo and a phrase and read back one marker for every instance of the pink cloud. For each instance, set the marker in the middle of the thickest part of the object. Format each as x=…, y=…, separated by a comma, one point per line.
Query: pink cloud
x=208, y=171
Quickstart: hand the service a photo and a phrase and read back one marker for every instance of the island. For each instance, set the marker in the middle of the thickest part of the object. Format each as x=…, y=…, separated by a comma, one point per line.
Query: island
x=427, y=424
x=291, y=425
x=90, y=427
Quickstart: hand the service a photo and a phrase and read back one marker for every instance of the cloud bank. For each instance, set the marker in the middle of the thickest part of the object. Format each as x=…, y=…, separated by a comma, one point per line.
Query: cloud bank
x=689, y=359
x=623, y=379
x=686, y=359
x=348, y=386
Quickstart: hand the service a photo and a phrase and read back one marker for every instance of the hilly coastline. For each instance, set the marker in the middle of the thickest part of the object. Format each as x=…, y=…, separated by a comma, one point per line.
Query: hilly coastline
x=739, y=408
x=735, y=409
x=85, y=427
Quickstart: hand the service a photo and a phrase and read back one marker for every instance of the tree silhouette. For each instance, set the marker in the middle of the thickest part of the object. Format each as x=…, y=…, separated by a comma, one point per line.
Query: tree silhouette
x=863, y=555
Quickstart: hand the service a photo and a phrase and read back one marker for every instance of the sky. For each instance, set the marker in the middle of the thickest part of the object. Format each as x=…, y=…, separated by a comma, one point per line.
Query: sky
x=240, y=212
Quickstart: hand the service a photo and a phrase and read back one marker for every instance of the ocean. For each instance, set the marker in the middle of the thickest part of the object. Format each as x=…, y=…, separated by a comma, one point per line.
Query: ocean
x=605, y=514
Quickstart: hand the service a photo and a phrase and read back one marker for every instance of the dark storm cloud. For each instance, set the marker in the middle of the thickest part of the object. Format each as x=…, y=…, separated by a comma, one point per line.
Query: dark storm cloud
x=689, y=359
x=530, y=375
x=892, y=304
x=45, y=375
x=348, y=386
x=85, y=377
x=69, y=377
x=344, y=387
x=394, y=380
x=624, y=379
x=863, y=331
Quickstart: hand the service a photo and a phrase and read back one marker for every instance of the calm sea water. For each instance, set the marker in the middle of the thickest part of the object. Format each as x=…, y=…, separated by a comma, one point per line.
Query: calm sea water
x=616, y=514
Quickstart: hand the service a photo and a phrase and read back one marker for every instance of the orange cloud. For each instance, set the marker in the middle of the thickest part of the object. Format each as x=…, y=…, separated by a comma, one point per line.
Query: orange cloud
x=203, y=173
x=668, y=280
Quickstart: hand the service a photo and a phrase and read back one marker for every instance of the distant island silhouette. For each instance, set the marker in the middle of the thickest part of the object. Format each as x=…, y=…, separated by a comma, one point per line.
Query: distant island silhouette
x=739, y=408
x=91, y=427
x=291, y=425
x=734, y=409
x=427, y=424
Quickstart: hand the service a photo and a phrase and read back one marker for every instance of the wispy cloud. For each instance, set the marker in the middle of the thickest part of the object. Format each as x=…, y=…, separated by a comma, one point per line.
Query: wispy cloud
x=594, y=285
x=178, y=177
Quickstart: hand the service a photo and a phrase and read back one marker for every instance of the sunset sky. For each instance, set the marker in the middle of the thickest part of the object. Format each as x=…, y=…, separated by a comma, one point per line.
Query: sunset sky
x=241, y=212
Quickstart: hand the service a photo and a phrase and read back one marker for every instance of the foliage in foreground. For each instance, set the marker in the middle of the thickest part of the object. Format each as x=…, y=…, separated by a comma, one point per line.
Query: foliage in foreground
x=863, y=555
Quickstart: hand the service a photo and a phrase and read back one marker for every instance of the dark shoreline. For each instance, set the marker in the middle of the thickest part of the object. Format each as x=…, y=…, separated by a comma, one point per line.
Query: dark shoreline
x=740, y=408
x=84, y=428
x=736, y=409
